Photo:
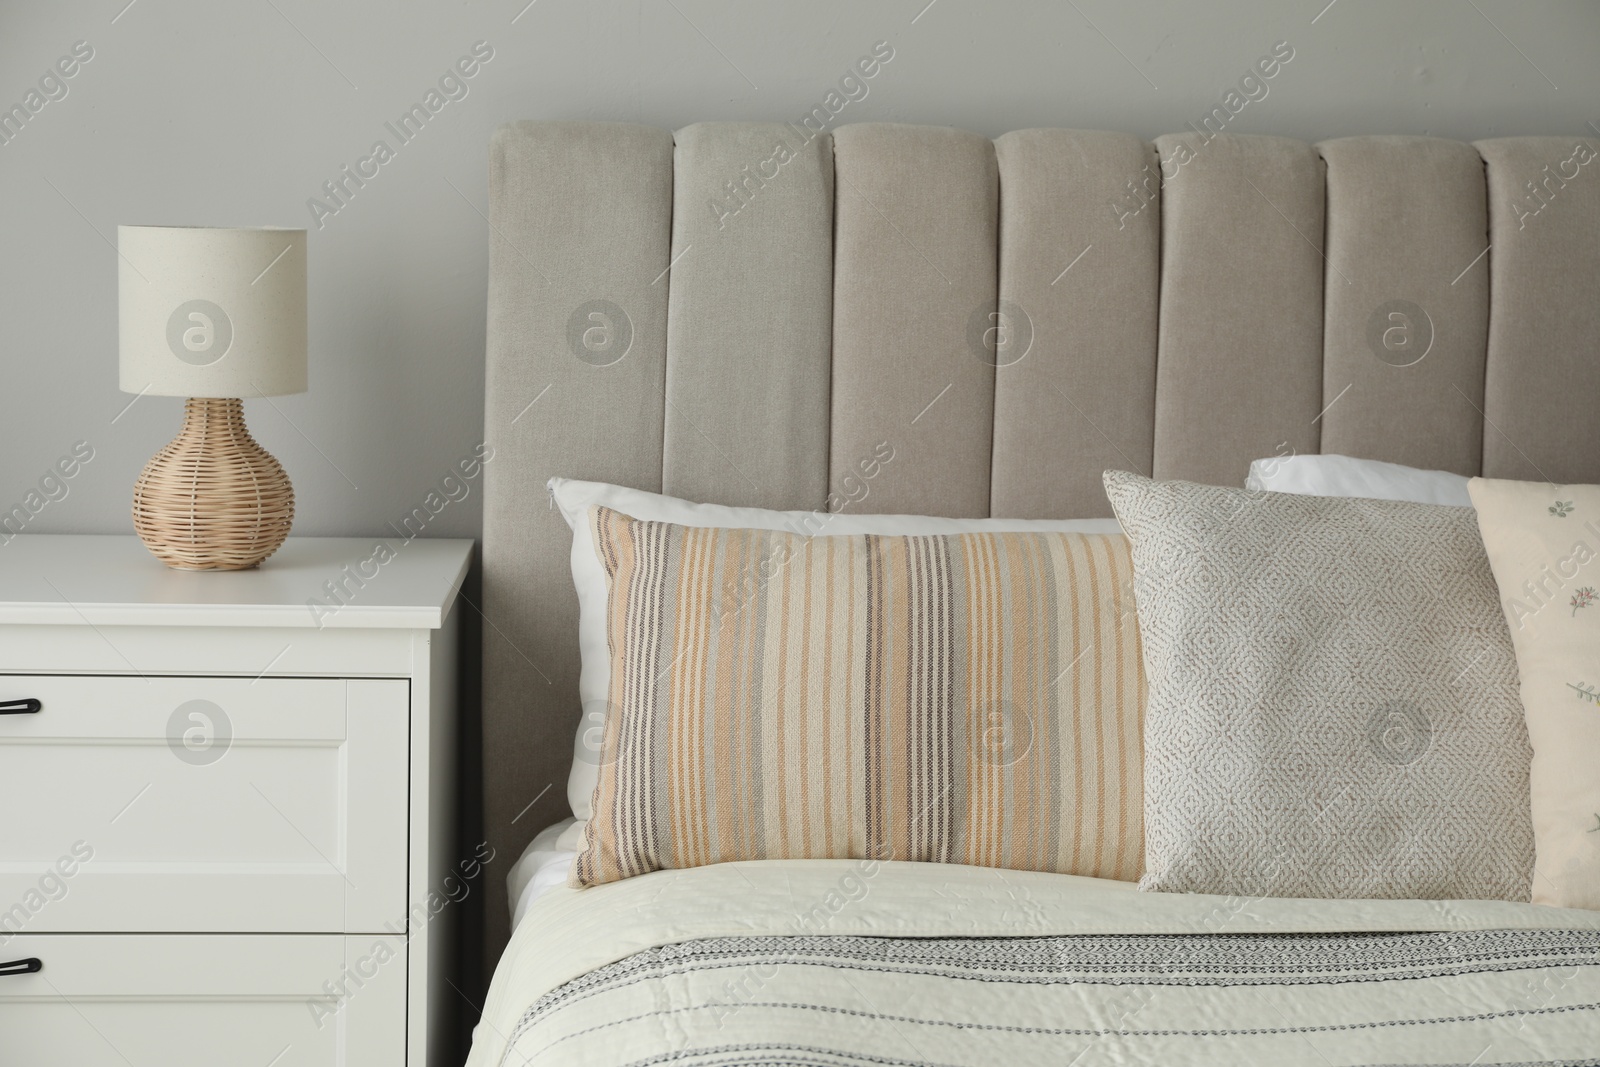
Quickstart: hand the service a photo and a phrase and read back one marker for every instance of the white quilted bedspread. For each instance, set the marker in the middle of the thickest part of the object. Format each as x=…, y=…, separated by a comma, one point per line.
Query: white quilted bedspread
x=824, y=962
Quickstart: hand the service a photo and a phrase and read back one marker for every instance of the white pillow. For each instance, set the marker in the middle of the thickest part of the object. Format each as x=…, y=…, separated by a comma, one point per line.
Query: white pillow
x=575, y=498
x=1347, y=476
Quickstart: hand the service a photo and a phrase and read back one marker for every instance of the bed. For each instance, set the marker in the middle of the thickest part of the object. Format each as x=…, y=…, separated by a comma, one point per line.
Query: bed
x=699, y=315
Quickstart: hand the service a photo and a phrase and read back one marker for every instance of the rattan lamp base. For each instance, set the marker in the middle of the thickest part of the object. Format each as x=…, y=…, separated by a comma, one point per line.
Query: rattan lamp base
x=213, y=499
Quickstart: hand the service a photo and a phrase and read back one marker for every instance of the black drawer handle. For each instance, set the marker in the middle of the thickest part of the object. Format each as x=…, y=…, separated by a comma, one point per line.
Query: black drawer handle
x=31, y=965
x=25, y=706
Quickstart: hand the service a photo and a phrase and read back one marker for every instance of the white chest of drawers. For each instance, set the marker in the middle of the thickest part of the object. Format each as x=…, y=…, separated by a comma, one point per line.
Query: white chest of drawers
x=227, y=805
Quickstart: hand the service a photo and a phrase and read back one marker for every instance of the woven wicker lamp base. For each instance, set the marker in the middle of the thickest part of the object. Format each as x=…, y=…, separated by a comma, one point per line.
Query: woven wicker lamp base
x=213, y=499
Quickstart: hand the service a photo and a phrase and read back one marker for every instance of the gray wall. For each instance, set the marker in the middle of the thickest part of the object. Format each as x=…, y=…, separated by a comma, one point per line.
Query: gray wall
x=237, y=112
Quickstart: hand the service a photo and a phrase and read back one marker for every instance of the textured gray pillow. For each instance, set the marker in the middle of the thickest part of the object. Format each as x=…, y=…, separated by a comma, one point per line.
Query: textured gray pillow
x=1333, y=706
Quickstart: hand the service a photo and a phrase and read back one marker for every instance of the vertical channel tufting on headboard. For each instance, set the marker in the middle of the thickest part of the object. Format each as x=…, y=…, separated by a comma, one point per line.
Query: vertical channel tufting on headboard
x=580, y=222
x=749, y=334
x=914, y=269
x=745, y=325
x=1239, y=375
x=1080, y=263
x=1406, y=226
x=1543, y=379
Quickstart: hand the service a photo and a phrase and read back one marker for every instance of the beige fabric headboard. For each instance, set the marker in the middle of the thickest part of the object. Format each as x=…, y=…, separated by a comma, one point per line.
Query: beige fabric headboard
x=1014, y=316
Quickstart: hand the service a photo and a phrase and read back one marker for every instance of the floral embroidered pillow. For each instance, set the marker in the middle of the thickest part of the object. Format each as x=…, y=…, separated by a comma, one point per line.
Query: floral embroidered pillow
x=1543, y=543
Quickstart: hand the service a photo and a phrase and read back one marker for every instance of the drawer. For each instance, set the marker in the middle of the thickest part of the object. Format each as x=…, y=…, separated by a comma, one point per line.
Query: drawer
x=190, y=1001
x=203, y=804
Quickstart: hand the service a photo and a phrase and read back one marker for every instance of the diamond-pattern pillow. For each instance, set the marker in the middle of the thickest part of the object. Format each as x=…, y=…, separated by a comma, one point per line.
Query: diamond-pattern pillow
x=1332, y=707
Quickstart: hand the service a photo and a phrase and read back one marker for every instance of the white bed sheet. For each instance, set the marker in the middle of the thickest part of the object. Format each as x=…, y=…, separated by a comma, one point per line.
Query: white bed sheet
x=542, y=866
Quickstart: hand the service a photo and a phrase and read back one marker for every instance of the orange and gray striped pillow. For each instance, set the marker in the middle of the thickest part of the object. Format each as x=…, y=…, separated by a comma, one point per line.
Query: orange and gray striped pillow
x=967, y=698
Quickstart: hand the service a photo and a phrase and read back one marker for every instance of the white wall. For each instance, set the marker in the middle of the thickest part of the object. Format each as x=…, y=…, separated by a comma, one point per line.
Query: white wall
x=234, y=112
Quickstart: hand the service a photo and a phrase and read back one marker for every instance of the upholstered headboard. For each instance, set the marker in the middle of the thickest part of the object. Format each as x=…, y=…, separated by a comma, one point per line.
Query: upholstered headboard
x=740, y=313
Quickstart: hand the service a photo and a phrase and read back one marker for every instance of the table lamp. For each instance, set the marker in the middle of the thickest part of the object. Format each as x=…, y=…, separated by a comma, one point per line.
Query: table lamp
x=213, y=315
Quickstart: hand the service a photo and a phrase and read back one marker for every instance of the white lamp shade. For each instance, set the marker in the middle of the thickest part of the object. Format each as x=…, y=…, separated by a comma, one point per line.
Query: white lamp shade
x=212, y=312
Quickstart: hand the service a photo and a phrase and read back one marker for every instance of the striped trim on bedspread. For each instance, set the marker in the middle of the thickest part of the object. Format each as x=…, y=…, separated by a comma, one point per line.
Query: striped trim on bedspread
x=1466, y=997
x=968, y=698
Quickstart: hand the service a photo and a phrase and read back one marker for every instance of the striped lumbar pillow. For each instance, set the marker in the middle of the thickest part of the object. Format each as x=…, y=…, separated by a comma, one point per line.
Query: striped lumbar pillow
x=967, y=698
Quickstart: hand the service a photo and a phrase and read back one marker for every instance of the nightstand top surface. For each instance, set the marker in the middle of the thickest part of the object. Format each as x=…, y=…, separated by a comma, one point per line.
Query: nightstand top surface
x=311, y=582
